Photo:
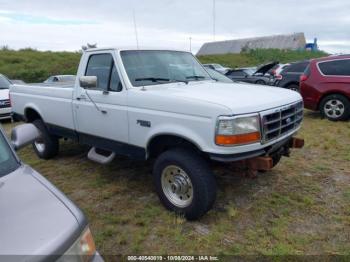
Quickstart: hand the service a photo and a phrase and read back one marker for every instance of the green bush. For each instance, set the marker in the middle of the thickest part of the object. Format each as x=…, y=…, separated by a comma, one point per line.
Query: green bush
x=35, y=66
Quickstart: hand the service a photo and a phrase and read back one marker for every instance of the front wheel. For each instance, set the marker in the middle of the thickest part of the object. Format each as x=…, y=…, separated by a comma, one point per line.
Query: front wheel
x=47, y=145
x=184, y=183
x=335, y=107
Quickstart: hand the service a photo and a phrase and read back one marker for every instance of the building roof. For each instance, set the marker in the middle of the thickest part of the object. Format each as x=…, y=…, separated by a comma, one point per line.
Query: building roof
x=292, y=41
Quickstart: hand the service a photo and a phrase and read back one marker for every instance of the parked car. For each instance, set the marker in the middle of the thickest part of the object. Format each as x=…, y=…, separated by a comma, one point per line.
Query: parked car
x=217, y=67
x=251, y=75
x=18, y=81
x=38, y=222
x=325, y=87
x=5, y=104
x=218, y=76
x=60, y=79
x=147, y=105
x=290, y=76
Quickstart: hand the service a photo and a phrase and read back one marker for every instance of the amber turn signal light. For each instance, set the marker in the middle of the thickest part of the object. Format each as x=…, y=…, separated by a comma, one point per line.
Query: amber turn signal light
x=225, y=140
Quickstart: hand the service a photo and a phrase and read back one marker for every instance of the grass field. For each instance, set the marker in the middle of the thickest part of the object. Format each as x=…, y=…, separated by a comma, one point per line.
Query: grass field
x=300, y=207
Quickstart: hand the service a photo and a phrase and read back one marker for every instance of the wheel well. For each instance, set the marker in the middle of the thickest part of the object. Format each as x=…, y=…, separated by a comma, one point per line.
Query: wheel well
x=329, y=94
x=31, y=115
x=161, y=143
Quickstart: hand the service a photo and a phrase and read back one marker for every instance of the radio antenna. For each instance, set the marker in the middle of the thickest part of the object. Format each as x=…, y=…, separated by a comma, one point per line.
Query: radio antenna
x=135, y=28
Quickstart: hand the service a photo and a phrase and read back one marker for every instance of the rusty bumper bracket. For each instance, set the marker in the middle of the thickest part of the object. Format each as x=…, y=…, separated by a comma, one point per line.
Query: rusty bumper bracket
x=264, y=163
x=259, y=163
x=296, y=143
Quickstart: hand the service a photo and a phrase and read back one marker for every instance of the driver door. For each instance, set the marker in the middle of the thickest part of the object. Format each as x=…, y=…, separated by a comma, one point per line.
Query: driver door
x=101, y=112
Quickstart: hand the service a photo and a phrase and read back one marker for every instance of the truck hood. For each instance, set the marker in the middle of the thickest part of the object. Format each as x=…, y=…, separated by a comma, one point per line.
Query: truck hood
x=33, y=221
x=240, y=98
x=4, y=94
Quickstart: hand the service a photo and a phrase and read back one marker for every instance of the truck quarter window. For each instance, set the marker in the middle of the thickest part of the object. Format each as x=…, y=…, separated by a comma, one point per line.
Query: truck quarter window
x=336, y=68
x=116, y=84
x=102, y=66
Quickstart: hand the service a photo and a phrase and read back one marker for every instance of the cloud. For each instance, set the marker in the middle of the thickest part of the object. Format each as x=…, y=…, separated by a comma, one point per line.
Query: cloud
x=67, y=24
x=30, y=19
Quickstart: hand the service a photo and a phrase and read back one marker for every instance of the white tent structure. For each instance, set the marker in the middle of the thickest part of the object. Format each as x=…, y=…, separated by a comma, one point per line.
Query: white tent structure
x=292, y=41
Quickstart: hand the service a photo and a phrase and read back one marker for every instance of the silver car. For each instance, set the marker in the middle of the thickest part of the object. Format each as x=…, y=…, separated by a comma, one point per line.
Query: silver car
x=37, y=221
x=60, y=79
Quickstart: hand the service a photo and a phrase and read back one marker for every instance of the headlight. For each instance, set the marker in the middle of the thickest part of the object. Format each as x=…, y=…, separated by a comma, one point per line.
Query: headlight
x=238, y=130
x=83, y=249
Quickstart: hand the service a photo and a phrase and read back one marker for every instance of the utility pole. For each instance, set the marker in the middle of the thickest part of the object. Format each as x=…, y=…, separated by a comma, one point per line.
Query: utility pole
x=190, y=44
x=214, y=18
x=135, y=27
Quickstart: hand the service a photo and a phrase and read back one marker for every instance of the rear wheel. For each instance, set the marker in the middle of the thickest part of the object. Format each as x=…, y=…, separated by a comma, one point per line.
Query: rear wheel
x=335, y=107
x=47, y=145
x=184, y=183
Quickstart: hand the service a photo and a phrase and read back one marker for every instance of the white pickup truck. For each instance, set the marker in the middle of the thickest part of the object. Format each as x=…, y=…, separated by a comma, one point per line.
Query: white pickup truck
x=162, y=105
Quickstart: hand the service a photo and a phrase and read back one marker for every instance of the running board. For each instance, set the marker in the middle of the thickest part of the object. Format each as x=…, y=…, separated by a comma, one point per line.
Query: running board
x=101, y=159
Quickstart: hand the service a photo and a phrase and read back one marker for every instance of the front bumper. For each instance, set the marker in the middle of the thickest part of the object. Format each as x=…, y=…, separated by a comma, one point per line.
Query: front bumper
x=281, y=147
x=5, y=113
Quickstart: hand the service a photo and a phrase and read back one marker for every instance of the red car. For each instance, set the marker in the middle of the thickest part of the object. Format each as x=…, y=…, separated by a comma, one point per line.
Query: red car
x=325, y=86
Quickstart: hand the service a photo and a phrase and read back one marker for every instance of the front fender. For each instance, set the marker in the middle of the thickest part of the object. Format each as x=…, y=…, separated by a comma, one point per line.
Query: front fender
x=180, y=131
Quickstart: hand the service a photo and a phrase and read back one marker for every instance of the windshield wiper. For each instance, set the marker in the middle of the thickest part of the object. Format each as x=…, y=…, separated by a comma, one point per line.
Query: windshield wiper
x=195, y=77
x=153, y=79
x=159, y=79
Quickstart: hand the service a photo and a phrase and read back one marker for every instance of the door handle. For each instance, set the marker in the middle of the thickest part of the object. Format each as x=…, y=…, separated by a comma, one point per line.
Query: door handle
x=82, y=97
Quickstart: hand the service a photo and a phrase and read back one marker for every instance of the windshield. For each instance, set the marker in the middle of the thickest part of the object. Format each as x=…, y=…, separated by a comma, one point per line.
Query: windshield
x=4, y=82
x=149, y=67
x=8, y=162
x=249, y=71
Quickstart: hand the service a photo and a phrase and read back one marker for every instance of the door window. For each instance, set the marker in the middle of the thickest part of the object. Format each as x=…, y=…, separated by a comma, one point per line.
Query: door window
x=237, y=74
x=102, y=66
x=335, y=68
x=296, y=67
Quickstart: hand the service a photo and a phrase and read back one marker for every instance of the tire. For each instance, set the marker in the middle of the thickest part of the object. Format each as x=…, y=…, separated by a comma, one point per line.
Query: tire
x=183, y=171
x=294, y=87
x=260, y=82
x=47, y=146
x=335, y=107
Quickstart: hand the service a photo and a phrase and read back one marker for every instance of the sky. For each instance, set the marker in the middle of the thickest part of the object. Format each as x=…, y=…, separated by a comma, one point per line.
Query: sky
x=67, y=25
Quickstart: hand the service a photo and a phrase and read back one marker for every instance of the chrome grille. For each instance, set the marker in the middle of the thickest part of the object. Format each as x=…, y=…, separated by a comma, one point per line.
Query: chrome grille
x=5, y=103
x=282, y=121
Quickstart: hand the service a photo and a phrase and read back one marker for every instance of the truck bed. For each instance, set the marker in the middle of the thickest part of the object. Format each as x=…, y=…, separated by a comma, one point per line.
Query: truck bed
x=56, y=99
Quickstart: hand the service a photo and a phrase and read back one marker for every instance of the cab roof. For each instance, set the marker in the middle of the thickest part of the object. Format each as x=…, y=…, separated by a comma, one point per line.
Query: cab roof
x=133, y=49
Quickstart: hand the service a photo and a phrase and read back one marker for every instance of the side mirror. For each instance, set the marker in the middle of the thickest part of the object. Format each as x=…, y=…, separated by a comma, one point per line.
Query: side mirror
x=23, y=135
x=88, y=81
